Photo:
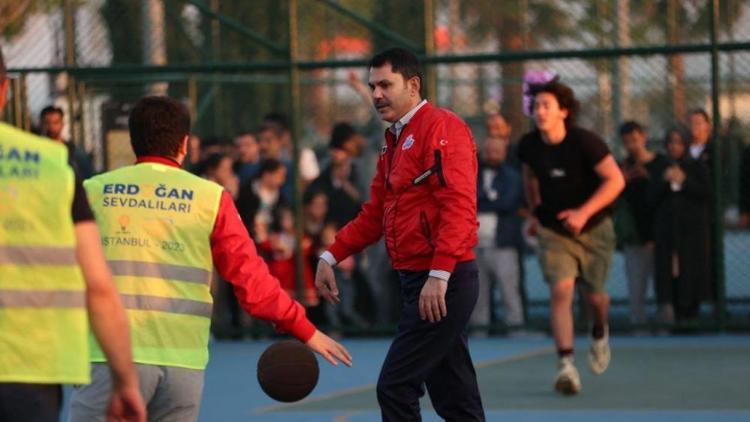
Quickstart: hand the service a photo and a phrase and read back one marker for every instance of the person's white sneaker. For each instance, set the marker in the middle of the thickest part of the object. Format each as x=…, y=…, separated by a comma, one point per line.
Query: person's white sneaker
x=567, y=381
x=599, y=353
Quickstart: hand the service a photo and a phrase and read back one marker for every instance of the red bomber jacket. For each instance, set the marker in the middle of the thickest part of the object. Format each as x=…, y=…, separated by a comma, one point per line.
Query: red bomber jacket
x=423, y=198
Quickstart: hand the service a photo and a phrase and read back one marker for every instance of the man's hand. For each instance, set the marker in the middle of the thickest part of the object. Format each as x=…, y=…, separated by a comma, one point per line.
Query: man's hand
x=126, y=405
x=574, y=220
x=635, y=171
x=329, y=348
x=432, y=300
x=325, y=282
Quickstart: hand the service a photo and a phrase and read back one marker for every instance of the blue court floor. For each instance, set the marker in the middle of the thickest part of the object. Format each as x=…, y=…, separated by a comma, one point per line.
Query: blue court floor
x=704, y=378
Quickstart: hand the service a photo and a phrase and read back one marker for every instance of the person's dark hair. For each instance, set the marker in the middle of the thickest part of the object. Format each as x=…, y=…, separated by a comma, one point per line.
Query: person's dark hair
x=211, y=163
x=681, y=130
x=269, y=166
x=157, y=126
x=564, y=94
x=341, y=133
x=276, y=128
x=277, y=118
x=310, y=194
x=631, y=126
x=401, y=60
x=701, y=112
x=246, y=133
x=50, y=109
x=277, y=214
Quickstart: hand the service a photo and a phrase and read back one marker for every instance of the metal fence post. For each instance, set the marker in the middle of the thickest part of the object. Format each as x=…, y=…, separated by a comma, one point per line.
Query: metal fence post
x=716, y=164
x=69, y=10
x=295, y=128
x=429, y=48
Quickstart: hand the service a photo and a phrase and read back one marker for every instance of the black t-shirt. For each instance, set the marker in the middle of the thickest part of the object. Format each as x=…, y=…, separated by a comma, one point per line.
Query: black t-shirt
x=81, y=209
x=566, y=173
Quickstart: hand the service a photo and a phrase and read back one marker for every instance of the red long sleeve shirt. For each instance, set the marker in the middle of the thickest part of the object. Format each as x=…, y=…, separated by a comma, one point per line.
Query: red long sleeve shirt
x=237, y=261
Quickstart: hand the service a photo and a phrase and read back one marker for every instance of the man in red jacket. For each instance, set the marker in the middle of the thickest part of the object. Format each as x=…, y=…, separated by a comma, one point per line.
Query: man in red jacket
x=423, y=200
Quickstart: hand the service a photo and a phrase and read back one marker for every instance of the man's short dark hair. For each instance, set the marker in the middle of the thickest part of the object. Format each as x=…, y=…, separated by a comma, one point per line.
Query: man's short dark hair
x=564, y=95
x=50, y=109
x=269, y=166
x=157, y=126
x=701, y=112
x=277, y=118
x=274, y=127
x=631, y=126
x=311, y=194
x=401, y=60
x=341, y=133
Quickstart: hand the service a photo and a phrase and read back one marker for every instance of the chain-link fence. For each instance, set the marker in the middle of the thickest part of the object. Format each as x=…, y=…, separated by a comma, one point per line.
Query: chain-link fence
x=232, y=62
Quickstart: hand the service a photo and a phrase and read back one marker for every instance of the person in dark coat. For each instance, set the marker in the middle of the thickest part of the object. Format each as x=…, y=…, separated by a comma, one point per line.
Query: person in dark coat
x=681, y=198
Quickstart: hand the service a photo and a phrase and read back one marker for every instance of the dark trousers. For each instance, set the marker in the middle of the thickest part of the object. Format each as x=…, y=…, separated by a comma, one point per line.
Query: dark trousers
x=432, y=354
x=30, y=402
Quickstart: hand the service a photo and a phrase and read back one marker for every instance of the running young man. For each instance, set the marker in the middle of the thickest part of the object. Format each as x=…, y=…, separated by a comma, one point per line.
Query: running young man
x=570, y=179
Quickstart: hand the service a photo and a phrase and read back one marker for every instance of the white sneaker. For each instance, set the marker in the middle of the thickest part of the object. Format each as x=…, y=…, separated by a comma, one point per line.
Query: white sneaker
x=599, y=353
x=567, y=382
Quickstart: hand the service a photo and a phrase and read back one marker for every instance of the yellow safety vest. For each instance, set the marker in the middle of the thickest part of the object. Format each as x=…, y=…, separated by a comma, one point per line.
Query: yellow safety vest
x=43, y=321
x=156, y=222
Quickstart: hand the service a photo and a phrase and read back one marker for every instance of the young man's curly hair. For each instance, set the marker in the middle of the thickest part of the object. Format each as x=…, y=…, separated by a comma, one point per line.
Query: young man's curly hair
x=564, y=95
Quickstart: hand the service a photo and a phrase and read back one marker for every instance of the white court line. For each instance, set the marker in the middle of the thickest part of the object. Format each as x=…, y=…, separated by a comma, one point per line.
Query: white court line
x=353, y=390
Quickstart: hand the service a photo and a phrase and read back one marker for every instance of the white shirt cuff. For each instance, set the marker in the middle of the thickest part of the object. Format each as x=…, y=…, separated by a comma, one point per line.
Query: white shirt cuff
x=329, y=258
x=441, y=274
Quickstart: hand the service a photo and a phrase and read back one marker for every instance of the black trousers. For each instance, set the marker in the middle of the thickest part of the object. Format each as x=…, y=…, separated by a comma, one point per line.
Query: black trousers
x=432, y=354
x=30, y=402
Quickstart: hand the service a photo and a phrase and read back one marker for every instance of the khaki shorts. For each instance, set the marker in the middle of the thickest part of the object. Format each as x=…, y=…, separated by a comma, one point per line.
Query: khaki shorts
x=586, y=257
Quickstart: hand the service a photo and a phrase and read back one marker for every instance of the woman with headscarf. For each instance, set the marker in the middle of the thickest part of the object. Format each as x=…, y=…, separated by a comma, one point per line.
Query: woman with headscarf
x=681, y=198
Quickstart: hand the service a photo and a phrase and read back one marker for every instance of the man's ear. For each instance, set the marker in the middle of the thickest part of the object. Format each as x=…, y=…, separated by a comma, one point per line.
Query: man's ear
x=415, y=85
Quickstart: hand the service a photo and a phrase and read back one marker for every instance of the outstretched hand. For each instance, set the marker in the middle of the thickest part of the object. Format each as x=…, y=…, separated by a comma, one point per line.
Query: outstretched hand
x=331, y=350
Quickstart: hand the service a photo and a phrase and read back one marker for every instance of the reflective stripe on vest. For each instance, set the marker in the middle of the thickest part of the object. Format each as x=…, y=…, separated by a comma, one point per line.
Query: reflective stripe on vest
x=165, y=304
x=37, y=255
x=43, y=320
x=156, y=223
x=165, y=271
x=42, y=299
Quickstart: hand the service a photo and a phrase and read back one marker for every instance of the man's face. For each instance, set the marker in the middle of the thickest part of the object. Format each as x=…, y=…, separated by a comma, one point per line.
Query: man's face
x=52, y=125
x=248, y=149
x=392, y=95
x=275, y=179
x=700, y=128
x=339, y=156
x=270, y=144
x=497, y=127
x=548, y=115
x=355, y=145
x=634, y=142
x=495, y=151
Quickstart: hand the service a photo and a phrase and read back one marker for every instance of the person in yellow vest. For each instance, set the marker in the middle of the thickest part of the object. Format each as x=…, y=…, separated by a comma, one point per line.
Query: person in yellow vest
x=163, y=230
x=53, y=282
